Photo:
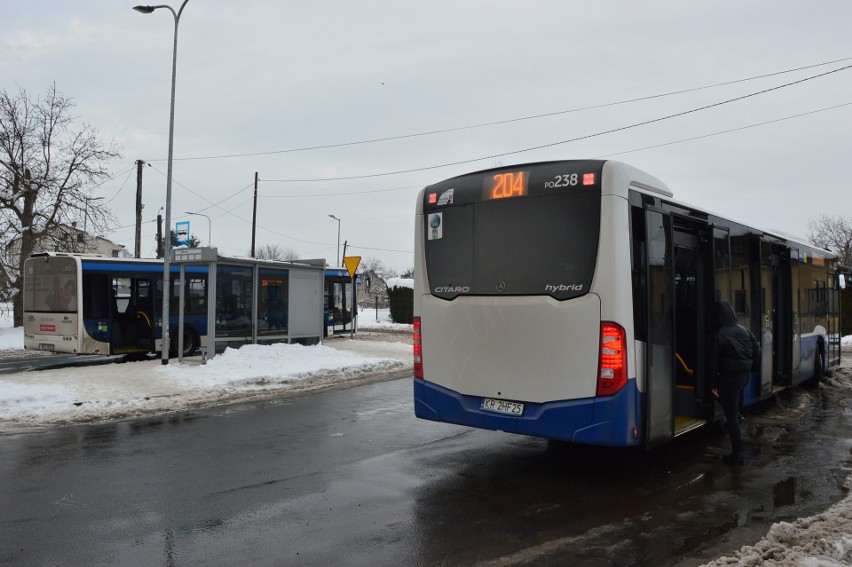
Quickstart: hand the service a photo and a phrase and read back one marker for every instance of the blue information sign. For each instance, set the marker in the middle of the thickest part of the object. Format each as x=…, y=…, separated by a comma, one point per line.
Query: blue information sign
x=182, y=232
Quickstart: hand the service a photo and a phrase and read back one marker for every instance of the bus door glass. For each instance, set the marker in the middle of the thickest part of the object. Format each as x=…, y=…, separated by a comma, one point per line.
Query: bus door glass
x=660, y=347
x=142, y=297
x=767, y=318
x=834, y=332
x=797, y=300
x=123, y=315
x=691, y=310
x=782, y=319
x=97, y=317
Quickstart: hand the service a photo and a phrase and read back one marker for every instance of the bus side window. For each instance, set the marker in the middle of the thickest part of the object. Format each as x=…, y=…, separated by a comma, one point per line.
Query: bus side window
x=96, y=294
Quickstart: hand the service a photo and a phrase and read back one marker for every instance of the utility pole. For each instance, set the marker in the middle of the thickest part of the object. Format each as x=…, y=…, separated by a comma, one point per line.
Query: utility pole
x=159, y=234
x=137, y=250
x=254, y=215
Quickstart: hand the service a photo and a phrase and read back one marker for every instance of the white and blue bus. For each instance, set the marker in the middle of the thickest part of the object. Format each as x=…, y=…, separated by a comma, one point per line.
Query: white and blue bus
x=92, y=304
x=572, y=300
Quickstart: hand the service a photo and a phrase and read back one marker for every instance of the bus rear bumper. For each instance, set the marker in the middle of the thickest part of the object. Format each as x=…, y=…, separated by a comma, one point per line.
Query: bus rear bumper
x=609, y=421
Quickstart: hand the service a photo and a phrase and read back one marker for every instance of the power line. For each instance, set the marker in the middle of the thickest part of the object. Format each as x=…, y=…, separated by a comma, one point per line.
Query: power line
x=561, y=142
x=339, y=194
x=129, y=173
x=380, y=249
x=236, y=215
x=755, y=125
x=202, y=197
x=509, y=120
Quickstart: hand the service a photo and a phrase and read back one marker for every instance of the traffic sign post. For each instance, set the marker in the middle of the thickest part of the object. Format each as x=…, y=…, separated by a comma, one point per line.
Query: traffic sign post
x=352, y=263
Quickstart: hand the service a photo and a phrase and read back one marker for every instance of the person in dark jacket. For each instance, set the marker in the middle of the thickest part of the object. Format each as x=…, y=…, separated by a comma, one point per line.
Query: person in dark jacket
x=734, y=353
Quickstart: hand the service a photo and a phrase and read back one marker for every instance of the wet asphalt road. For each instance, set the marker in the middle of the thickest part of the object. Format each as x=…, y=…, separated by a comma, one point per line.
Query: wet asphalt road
x=350, y=477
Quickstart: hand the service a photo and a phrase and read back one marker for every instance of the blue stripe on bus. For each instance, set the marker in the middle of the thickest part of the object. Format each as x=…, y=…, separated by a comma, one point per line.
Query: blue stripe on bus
x=95, y=266
x=606, y=420
x=807, y=369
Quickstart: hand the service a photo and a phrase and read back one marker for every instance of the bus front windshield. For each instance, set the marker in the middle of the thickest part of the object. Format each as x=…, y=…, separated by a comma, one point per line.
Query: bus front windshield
x=51, y=285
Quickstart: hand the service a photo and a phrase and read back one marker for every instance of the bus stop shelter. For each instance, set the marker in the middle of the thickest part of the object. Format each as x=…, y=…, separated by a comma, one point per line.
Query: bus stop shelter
x=254, y=301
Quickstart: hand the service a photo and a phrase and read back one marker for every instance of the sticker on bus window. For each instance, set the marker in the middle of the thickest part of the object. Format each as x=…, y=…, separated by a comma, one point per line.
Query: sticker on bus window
x=436, y=226
x=446, y=197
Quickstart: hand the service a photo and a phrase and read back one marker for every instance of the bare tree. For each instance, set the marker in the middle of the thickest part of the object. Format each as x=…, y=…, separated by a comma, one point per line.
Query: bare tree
x=48, y=168
x=276, y=252
x=834, y=233
x=375, y=265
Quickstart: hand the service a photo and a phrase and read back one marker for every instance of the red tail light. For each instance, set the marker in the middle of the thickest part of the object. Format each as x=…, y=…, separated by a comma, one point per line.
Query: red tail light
x=418, y=350
x=612, y=375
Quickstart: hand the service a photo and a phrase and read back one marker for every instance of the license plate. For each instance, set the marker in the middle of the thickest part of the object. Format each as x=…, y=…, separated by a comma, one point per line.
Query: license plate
x=46, y=346
x=502, y=406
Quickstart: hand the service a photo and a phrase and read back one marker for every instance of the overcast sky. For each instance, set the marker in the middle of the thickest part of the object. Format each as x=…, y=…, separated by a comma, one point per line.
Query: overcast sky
x=258, y=77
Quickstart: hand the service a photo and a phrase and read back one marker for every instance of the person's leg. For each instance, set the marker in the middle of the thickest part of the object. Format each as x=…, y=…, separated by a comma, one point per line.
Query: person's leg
x=729, y=398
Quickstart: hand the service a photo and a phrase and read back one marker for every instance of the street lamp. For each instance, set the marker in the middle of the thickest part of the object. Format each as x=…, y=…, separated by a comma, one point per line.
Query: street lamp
x=338, y=239
x=209, y=226
x=167, y=245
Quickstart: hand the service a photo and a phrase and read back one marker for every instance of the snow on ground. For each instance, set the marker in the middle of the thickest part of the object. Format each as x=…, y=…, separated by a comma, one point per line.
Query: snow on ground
x=10, y=337
x=823, y=540
x=30, y=400
x=368, y=321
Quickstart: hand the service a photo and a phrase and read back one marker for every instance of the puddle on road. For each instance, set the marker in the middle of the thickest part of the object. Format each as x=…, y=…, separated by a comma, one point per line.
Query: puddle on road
x=784, y=493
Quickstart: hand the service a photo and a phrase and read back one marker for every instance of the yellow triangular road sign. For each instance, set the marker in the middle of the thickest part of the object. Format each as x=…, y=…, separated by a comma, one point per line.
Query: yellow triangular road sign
x=351, y=263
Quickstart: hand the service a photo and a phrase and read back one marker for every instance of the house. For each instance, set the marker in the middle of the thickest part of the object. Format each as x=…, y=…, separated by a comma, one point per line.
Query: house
x=372, y=291
x=65, y=238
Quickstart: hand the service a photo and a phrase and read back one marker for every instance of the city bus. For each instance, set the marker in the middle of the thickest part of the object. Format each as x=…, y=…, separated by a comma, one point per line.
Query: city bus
x=572, y=300
x=92, y=304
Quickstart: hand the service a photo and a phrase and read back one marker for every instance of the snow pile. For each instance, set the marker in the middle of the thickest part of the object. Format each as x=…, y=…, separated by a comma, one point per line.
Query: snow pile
x=271, y=365
x=369, y=321
x=400, y=282
x=20, y=400
x=10, y=337
x=31, y=400
x=824, y=540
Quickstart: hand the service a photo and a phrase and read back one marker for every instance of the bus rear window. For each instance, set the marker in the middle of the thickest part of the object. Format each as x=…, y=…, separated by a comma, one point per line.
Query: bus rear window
x=544, y=245
x=51, y=285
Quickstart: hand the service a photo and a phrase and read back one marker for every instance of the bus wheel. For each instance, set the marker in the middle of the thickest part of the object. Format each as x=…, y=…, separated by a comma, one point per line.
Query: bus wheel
x=819, y=365
x=190, y=343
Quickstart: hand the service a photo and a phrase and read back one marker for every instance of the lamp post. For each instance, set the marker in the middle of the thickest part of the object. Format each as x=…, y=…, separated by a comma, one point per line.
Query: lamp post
x=338, y=239
x=209, y=226
x=167, y=244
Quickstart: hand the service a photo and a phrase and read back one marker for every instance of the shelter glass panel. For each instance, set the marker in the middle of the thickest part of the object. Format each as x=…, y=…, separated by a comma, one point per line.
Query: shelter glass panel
x=273, y=290
x=234, y=295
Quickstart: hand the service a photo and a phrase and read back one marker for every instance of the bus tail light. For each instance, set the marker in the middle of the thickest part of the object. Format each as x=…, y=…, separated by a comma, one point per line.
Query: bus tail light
x=418, y=350
x=612, y=375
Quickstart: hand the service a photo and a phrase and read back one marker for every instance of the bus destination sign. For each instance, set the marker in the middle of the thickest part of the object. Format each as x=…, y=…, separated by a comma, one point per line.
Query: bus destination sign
x=528, y=180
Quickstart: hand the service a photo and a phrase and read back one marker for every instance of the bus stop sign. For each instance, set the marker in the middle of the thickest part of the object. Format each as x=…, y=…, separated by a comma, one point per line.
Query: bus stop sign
x=351, y=263
x=182, y=233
